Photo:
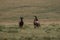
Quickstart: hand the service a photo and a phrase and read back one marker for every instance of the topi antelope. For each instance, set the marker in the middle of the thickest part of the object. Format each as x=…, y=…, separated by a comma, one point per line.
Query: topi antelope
x=21, y=23
x=36, y=22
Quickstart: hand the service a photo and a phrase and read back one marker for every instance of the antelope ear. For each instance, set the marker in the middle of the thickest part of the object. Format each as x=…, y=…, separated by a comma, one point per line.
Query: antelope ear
x=35, y=16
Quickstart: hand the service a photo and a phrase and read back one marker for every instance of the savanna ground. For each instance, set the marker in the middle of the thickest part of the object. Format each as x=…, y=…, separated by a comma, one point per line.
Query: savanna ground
x=48, y=12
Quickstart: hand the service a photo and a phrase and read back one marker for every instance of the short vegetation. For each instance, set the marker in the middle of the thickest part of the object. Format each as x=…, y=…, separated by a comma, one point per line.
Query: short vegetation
x=13, y=32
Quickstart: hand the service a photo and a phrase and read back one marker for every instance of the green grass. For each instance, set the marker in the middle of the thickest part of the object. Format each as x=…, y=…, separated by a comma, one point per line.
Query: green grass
x=49, y=32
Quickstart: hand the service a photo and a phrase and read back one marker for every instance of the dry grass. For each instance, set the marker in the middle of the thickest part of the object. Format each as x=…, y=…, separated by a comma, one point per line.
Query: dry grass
x=44, y=9
x=48, y=11
x=45, y=32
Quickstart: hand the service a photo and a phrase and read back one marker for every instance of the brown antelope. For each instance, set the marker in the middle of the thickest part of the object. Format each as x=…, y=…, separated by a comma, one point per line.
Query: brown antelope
x=21, y=23
x=36, y=22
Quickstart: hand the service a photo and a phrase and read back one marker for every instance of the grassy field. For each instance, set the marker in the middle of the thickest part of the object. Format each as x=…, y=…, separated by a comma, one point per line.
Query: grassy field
x=44, y=9
x=45, y=32
x=48, y=12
